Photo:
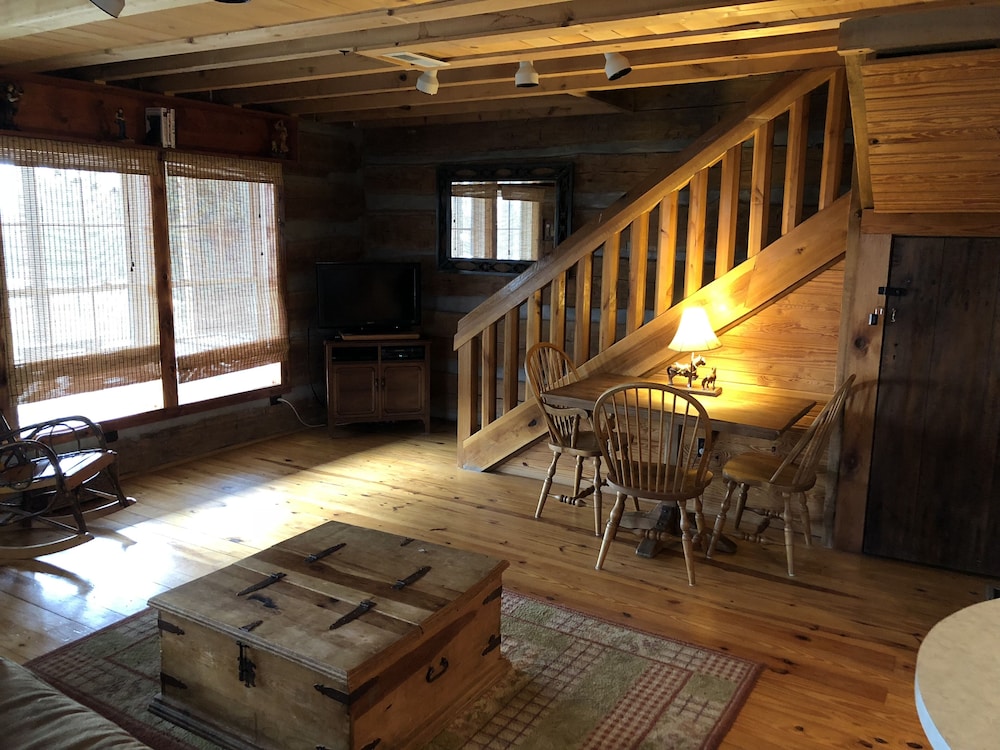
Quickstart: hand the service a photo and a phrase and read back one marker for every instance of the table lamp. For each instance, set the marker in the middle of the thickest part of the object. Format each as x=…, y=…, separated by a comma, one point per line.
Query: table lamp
x=694, y=335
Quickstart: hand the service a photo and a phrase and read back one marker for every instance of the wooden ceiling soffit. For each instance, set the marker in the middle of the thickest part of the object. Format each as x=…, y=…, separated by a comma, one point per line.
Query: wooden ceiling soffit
x=925, y=100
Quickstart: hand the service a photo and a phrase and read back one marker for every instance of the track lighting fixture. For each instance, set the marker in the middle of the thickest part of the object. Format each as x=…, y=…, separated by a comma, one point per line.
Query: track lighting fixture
x=526, y=75
x=111, y=7
x=427, y=82
x=616, y=65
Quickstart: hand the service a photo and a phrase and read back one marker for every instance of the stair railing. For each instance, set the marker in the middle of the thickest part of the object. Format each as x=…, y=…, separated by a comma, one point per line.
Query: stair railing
x=649, y=250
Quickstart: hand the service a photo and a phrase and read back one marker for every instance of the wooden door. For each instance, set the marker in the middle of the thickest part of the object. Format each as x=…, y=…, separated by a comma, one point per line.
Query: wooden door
x=934, y=494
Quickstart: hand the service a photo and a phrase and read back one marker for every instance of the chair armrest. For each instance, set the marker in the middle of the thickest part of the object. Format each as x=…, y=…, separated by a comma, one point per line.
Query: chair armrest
x=27, y=462
x=75, y=430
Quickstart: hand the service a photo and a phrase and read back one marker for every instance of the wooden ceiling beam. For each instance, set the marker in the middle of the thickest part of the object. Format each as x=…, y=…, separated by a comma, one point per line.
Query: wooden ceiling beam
x=647, y=60
x=330, y=107
x=527, y=30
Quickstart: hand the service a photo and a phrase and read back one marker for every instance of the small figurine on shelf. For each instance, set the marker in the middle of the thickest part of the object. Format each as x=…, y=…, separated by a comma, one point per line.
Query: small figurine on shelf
x=120, y=122
x=279, y=144
x=12, y=93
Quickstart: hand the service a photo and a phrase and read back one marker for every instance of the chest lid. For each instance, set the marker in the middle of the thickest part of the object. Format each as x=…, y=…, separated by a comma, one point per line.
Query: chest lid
x=336, y=597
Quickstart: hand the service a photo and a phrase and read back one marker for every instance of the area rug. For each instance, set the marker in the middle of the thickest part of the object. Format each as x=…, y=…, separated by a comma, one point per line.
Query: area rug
x=575, y=682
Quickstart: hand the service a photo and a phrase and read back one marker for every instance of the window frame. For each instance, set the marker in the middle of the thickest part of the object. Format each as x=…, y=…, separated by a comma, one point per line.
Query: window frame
x=559, y=173
x=160, y=258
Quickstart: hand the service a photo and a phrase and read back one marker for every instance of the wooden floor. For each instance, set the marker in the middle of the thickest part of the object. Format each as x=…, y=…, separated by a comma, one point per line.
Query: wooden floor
x=839, y=641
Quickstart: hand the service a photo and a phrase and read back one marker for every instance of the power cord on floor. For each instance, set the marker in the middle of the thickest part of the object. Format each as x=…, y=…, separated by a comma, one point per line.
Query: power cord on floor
x=295, y=411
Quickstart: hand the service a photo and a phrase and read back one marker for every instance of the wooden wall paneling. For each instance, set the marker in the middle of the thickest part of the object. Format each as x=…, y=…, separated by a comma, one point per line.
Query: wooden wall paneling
x=918, y=111
x=760, y=189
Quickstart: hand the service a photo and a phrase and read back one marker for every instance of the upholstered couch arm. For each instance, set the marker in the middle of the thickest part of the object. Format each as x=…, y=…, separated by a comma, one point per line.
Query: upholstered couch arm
x=36, y=716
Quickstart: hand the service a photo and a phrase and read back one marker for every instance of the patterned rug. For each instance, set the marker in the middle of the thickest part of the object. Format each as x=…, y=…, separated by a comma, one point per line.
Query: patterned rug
x=576, y=682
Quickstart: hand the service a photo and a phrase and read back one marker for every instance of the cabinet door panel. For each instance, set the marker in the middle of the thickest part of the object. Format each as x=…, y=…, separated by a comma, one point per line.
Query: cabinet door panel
x=403, y=391
x=353, y=392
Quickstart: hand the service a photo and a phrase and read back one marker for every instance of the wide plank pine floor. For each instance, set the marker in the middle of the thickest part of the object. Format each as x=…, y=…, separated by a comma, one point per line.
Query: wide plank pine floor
x=839, y=641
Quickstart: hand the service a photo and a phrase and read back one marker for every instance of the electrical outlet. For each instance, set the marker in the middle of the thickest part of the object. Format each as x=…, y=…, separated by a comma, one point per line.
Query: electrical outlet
x=275, y=400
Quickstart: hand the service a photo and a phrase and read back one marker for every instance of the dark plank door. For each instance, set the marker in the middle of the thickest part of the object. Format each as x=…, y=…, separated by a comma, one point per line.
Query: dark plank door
x=934, y=492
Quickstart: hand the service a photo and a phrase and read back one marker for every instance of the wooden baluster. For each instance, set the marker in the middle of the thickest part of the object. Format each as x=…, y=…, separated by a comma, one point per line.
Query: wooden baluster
x=534, y=320
x=512, y=364
x=760, y=188
x=638, y=264
x=833, y=139
x=584, y=288
x=666, y=252
x=729, y=209
x=488, y=404
x=468, y=393
x=609, y=293
x=557, y=311
x=694, y=267
x=795, y=164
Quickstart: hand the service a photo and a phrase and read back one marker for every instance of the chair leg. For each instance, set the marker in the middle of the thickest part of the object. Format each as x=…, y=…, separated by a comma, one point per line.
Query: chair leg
x=612, y=528
x=720, y=520
x=804, y=519
x=686, y=540
x=740, y=504
x=598, y=496
x=547, y=484
x=789, y=536
x=577, y=477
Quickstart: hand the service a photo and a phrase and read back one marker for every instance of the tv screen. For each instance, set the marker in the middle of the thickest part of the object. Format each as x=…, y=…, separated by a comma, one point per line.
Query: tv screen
x=368, y=297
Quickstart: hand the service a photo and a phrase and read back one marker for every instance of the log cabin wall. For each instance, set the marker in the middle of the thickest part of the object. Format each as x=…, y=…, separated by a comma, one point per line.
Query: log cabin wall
x=322, y=221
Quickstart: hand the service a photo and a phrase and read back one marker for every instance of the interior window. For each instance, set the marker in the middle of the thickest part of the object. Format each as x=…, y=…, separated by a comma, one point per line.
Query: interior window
x=500, y=218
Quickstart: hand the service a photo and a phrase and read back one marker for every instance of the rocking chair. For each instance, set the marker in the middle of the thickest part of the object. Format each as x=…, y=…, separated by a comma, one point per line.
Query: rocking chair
x=52, y=475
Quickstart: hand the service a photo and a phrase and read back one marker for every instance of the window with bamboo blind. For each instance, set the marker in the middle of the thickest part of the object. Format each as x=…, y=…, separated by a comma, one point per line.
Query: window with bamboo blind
x=136, y=280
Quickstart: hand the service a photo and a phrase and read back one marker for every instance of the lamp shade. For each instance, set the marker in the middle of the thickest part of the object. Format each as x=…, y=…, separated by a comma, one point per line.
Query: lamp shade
x=694, y=334
x=111, y=7
x=427, y=82
x=616, y=65
x=526, y=75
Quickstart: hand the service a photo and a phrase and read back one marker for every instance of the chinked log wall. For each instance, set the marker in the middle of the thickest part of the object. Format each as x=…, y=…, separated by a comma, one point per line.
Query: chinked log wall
x=609, y=294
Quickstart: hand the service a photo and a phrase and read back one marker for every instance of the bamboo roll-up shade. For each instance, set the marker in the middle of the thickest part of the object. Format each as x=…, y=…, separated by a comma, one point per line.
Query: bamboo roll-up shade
x=78, y=276
x=228, y=303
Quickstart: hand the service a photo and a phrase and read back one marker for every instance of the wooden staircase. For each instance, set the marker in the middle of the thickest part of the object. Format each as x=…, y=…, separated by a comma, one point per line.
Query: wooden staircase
x=612, y=293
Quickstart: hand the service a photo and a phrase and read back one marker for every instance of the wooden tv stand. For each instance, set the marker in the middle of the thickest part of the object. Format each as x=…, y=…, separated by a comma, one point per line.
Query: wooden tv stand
x=378, y=379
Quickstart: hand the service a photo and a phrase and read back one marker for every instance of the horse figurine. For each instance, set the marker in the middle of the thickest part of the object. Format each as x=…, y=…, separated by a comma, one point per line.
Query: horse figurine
x=687, y=370
x=709, y=381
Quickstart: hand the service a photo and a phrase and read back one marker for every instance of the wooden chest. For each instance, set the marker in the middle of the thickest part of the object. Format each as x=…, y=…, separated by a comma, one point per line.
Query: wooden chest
x=341, y=637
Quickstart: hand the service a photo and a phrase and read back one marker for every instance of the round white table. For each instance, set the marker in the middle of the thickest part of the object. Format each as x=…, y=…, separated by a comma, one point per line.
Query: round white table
x=957, y=680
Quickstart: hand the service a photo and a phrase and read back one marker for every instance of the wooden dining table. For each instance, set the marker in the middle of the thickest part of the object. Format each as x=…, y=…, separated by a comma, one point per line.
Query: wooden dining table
x=739, y=410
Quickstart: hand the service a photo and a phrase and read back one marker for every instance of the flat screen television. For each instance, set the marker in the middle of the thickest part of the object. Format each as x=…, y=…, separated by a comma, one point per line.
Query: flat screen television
x=368, y=297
